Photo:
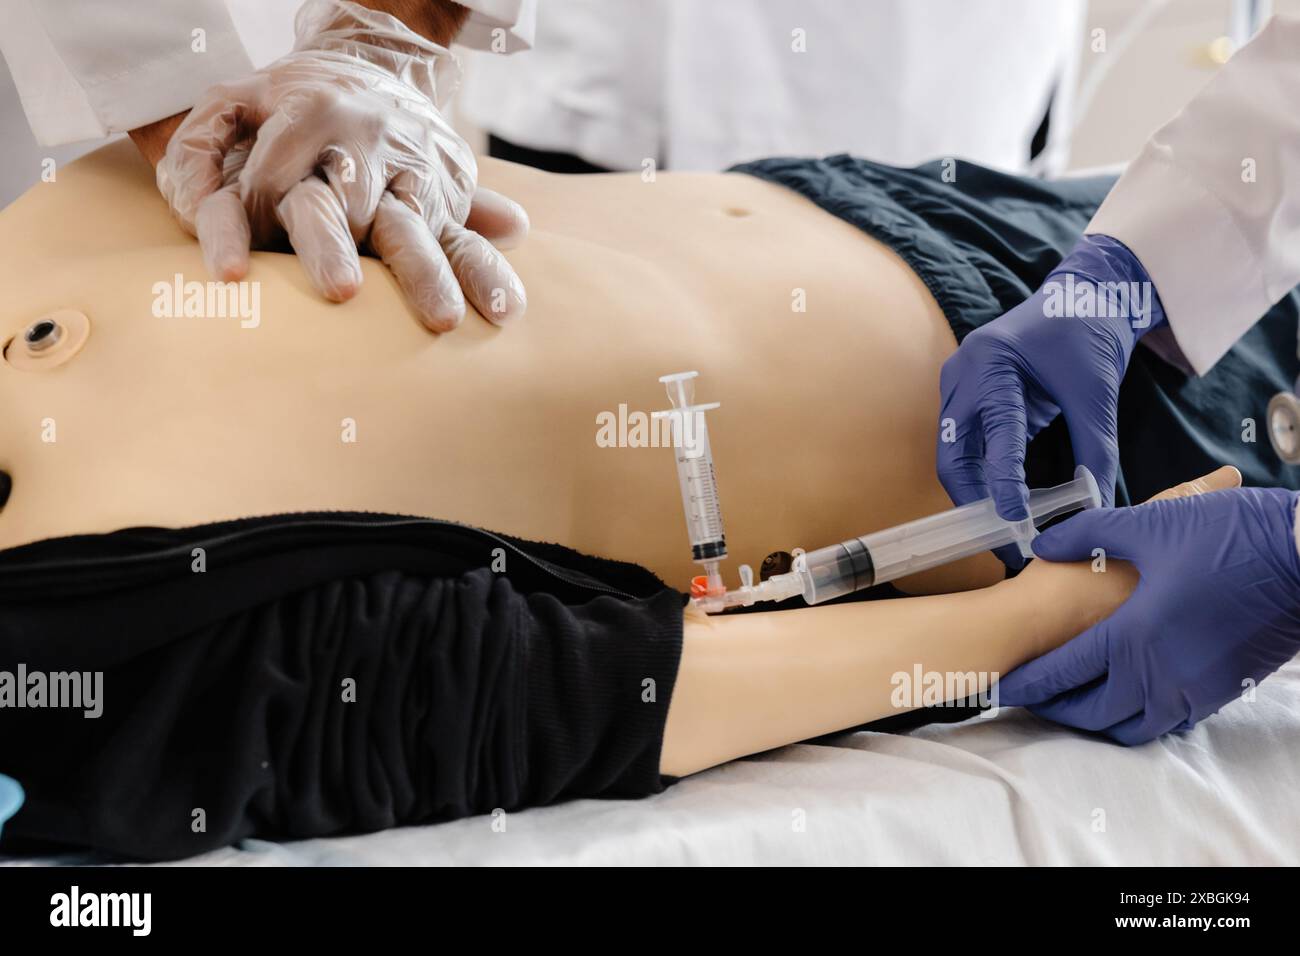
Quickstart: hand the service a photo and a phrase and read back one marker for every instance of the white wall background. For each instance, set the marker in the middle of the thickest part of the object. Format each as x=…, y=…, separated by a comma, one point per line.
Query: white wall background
x=1162, y=69
x=1165, y=66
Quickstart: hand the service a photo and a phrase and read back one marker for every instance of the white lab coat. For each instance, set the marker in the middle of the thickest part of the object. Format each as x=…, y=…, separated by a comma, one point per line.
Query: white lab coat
x=1211, y=207
x=703, y=84
x=87, y=68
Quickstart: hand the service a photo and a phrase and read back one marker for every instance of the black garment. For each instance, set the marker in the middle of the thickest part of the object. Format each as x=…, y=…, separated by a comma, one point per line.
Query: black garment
x=224, y=690
x=1038, y=142
x=983, y=242
x=551, y=162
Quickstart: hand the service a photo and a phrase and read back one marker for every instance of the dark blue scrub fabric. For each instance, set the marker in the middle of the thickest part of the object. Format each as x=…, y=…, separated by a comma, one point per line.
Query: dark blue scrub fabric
x=984, y=241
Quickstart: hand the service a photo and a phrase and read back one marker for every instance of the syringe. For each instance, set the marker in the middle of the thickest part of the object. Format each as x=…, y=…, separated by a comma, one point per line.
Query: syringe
x=918, y=545
x=695, y=475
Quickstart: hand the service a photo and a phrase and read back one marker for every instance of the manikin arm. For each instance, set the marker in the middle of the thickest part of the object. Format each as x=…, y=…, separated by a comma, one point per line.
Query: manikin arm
x=748, y=683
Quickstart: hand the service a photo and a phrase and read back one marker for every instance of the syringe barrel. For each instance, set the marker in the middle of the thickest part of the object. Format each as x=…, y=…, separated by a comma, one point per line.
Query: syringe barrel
x=932, y=541
x=698, y=484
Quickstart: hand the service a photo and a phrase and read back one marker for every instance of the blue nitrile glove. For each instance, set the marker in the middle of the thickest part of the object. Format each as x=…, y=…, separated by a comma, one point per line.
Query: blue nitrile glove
x=11, y=798
x=1218, y=603
x=1050, y=355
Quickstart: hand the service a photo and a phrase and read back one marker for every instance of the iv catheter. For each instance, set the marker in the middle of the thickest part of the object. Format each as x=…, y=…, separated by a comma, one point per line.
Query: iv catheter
x=853, y=564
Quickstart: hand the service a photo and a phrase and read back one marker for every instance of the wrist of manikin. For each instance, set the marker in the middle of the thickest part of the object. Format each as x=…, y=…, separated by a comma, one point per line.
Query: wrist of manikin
x=1102, y=280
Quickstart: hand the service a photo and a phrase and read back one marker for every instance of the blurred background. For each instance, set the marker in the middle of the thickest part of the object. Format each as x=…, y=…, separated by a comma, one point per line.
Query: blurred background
x=1157, y=56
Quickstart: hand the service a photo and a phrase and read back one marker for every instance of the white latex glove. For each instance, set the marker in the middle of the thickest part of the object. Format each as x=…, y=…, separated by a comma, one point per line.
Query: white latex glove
x=343, y=146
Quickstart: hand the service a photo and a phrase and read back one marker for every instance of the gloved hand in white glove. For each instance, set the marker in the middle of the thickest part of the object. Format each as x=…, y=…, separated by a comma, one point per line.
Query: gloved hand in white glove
x=343, y=146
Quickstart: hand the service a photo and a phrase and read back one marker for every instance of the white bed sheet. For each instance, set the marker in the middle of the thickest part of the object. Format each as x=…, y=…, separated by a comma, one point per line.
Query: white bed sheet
x=1008, y=790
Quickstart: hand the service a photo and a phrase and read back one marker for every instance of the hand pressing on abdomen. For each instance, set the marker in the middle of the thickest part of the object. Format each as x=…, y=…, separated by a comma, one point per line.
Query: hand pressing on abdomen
x=346, y=148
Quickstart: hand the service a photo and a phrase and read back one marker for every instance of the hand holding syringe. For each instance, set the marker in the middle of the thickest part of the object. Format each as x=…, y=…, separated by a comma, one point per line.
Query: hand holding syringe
x=855, y=563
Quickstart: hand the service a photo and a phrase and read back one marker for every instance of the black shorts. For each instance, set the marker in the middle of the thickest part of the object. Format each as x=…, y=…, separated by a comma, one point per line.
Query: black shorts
x=312, y=674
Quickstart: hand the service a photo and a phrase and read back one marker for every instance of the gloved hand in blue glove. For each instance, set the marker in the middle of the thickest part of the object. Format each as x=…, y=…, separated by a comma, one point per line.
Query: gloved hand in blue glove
x=1064, y=350
x=1217, y=606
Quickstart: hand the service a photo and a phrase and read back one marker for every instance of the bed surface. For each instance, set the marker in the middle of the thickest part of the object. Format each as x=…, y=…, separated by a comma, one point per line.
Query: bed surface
x=1007, y=790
